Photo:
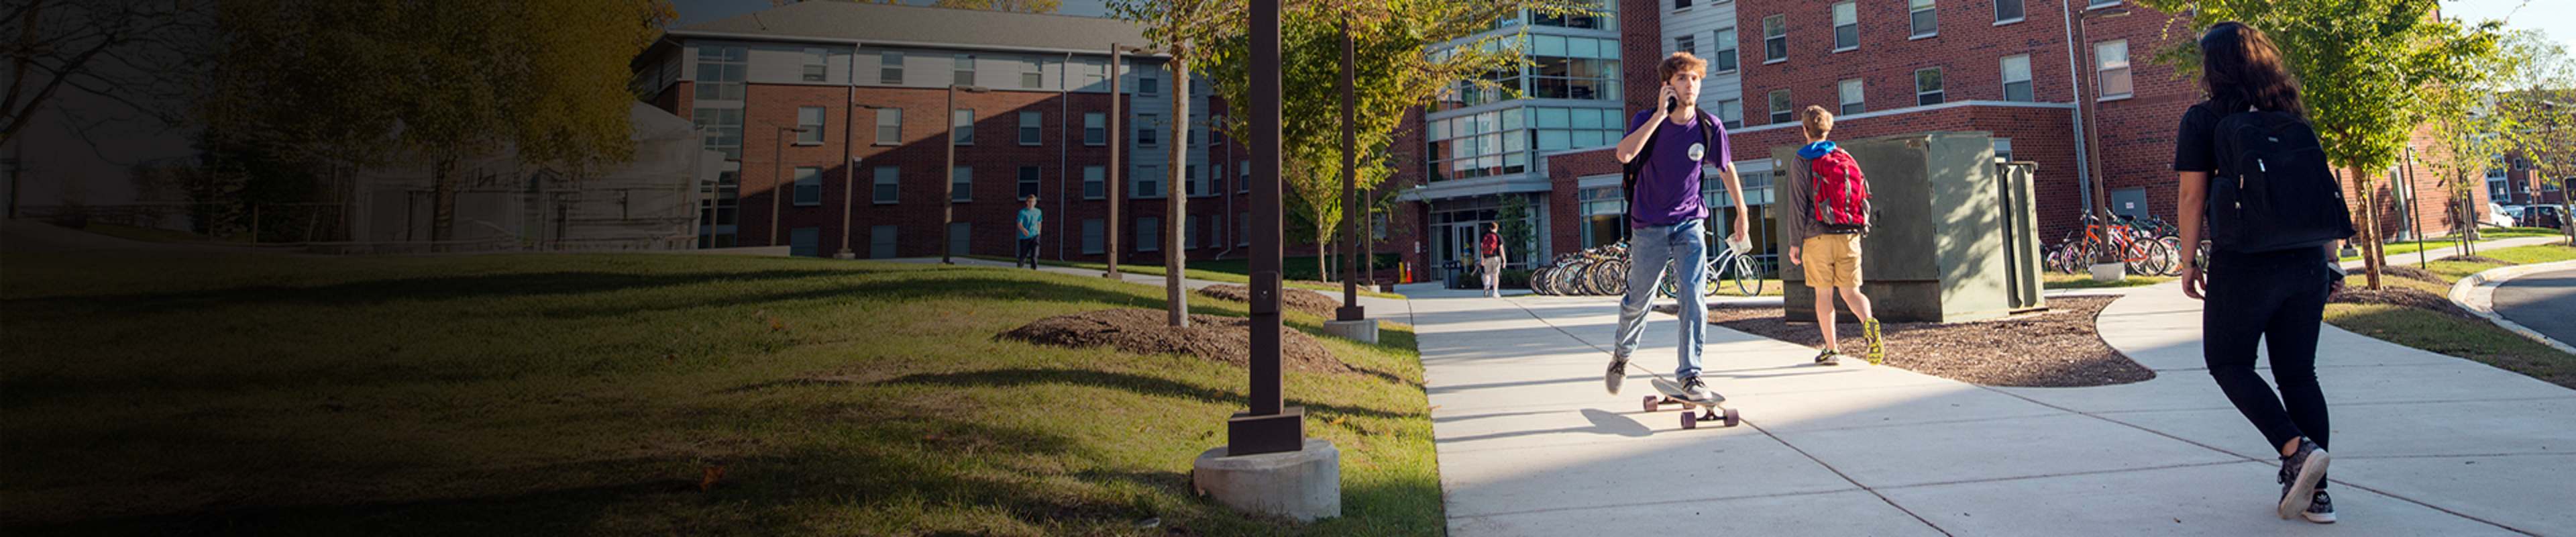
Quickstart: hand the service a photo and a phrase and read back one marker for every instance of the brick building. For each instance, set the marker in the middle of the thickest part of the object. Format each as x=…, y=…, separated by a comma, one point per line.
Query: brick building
x=1907, y=66
x=866, y=84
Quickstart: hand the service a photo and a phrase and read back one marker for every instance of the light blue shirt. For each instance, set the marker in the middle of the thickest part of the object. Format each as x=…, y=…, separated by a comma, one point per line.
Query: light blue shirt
x=1029, y=220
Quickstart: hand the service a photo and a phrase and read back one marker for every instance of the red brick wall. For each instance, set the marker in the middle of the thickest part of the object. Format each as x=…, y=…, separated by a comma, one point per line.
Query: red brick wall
x=1564, y=175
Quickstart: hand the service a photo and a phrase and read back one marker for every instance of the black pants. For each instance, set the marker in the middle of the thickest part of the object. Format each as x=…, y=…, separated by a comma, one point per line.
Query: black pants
x=1028, y=253
x=2279, y=299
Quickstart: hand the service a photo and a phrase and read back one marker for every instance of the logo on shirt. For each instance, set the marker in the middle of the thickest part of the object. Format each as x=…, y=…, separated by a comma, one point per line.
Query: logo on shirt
x=1698, y=150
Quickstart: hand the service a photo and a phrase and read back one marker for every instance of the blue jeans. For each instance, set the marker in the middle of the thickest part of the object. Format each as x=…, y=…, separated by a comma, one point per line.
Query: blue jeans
x=1681, y=246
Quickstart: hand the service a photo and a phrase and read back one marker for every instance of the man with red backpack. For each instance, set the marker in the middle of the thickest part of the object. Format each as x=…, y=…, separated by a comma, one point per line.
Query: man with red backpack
x=1828, y=202
x=1490, y=258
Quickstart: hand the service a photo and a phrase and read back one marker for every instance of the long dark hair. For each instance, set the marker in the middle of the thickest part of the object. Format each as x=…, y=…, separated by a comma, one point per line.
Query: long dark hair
x=2239, y=68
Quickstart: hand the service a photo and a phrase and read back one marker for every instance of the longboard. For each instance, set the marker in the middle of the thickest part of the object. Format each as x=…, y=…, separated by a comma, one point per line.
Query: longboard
x=1694, y=411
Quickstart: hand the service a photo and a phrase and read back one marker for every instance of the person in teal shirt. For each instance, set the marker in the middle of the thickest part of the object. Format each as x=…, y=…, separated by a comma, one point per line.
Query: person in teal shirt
x=1030, y=218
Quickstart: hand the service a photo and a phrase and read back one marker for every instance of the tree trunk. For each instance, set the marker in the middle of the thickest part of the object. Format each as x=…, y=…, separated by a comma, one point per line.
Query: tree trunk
x=2370, y=259
x=442, y=202
x=1175, y=257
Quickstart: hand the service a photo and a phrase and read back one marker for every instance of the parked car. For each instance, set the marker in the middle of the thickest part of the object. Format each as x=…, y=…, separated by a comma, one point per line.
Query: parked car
x=2546, y=216
x=2501, y=215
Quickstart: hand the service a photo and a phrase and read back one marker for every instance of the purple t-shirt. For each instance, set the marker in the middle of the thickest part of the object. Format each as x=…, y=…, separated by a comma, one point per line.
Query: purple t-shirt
x=1668, y=185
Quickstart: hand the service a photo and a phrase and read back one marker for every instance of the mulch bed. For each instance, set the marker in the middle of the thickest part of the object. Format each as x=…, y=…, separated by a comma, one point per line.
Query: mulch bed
x=2051, y=349
x=2412, y=273
x=2401, y=296
x=2475, y=259
x=1144, y=331
x=1304, y=300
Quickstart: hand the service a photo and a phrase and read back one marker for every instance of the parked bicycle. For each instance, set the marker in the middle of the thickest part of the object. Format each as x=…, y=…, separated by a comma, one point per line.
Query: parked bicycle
x=1728, y=265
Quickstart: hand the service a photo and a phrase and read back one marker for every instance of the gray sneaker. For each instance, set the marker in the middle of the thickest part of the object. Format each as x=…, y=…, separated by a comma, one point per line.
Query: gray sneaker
x=1697, y=391
x=2321, y=510
x=2300, y=473
x=1618, y=372
x=1829, y=357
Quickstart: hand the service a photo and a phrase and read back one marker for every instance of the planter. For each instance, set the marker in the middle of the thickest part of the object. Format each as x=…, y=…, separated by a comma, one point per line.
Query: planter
x=2110, y=272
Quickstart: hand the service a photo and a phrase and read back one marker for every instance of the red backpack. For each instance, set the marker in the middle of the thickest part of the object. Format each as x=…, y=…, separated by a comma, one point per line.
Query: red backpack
x=1841, y=193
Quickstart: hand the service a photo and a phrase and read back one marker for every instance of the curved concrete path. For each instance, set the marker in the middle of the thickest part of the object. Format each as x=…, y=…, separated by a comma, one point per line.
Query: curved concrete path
x=1530, y=445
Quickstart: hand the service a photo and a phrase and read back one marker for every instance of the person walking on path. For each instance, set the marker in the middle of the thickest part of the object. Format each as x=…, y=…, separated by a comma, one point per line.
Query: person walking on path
x=1828, y=213
x=1664, y=154
x=1030, y=220
x=2252, y=172
x=1492, y=251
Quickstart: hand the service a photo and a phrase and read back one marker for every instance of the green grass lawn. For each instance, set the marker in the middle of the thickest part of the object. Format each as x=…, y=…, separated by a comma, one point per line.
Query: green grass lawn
x=591, y=394
x=2474, y=339
x=2060, y=280
x=2400, y=248
x=1203, y=270
x=144, y=233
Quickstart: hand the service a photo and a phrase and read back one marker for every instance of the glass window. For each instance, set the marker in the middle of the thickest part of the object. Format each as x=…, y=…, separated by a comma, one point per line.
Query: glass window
x=804, y=242
x=881, y=242
x=1686, y=43
x=1035, y=76
x=889, y=126
x=1095, y=182
x=1724, y=60
x=1780, y=112
x=1032, y=126
x=1146, y=183
x=1028, y=181
x=2101, y=3
x=1851, y=94
x=2111, y=69
x=1547, y=45
x=1926, y=21
x=1927, y=87
x=1681, y=4
x=1731, y=113
x=809, y=125
x=960, y=235
x=961, y=184
x=1093, y=236
x=1149, y=86
x=1145, y=131
x=890, y=67
x=965, y=70
x=961, y=127
x=2008, y=11
x=1775, y=38
x=809, y=186
x=1846, y=26
x=815, y=58
x=721, y=71
x=887, y=185
x=1095, y=128
x=1149, y=234
x=2017, y=78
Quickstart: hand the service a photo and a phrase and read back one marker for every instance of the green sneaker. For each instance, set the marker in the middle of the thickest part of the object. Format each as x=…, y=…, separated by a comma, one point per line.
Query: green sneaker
x=1877, y=345
x=1829, y=357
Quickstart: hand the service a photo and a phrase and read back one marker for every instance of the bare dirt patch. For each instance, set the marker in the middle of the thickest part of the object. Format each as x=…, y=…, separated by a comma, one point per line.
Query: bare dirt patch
x=2050, y=349
x=1144, y=331
x=2475, y=259
x=2401, y=296
x=1299, y=299
x=2412, y=273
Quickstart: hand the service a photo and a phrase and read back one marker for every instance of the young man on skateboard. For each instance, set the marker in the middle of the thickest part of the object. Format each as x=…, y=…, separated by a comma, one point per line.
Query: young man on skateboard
x=1828, y=202
x=1665, y=151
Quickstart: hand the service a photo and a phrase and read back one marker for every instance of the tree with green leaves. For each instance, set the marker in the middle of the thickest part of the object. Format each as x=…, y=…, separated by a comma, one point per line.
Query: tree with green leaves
x=1015, y=6
x=2469, y=128
x=1515, y=219
x=2364, y=67
x=1166, y=26
x=2537, y=100
x=1394, y=71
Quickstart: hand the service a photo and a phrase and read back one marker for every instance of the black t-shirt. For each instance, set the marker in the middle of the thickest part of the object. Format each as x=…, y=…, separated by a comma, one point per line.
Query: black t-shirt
x=2195, y=147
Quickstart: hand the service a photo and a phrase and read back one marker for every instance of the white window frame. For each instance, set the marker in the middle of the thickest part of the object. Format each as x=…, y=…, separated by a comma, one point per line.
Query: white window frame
x=1943, y=92
x=1030, y=179
x=1035, y=77
x=1730, y=113
x=1783, y=37
x=1032, y=128
x=1095, y=182
x=1095, y=129
x=1686, y=43
x=1999, y=12
x=890, y=67
x=1146, y=135
x=816, y=59
x=961, y=126
x=1846, y=15
x=808, y=191
x=890, y=126
x=1149, y=86
x=1726, y=48
x=810, y=133
x=1149, y=234
x=1094, y=236
x=2103, y=70
x=1853, y=95
x=1914, y=8
x=961, y=184
x=2004, y=69
x=886, y=176
x=963, y=70
x=1146, y=182
x=1779, y=102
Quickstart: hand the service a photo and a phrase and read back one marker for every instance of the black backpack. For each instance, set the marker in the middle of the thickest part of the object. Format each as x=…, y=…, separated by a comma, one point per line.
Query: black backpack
x=2273, y=190
x=1628, y=172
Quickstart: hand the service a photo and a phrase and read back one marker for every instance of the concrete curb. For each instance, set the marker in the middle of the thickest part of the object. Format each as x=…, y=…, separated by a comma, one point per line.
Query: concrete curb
x=2476, y=293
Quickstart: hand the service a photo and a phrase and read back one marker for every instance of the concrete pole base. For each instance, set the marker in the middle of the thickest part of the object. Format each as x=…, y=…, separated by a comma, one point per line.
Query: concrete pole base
x=1363, y=330
x=1303, y=485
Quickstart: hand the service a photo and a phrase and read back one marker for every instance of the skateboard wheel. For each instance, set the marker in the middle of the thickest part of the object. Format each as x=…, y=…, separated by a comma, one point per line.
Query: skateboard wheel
x=1731, y=419
x=1654, y=403
x=1690, y=420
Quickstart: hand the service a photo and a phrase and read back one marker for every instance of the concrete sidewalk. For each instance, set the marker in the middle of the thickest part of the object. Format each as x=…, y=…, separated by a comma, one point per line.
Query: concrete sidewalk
x=1529, y=444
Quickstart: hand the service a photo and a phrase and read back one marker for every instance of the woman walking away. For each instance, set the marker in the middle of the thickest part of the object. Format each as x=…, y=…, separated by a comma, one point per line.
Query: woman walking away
x=2252, y=171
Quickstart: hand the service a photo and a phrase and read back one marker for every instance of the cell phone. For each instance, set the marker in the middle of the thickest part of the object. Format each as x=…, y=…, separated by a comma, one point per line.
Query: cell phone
x=1672, y=104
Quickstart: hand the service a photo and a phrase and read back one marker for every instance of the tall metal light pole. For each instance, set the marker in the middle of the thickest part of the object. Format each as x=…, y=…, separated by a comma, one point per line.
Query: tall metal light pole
x=1351, y=309
x=1269, y=427
x=777, y=174
x=948, y=198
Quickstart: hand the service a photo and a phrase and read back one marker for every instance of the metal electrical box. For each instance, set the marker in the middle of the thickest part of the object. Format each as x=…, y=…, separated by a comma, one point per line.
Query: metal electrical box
x=1954, y=236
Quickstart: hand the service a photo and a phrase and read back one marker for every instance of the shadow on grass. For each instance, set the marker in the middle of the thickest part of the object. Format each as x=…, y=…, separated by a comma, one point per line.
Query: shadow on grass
x=507, y=285
x=1154, y=386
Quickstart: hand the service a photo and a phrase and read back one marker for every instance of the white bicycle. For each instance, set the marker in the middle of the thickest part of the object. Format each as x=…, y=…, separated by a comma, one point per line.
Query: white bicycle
x=1728, y=265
